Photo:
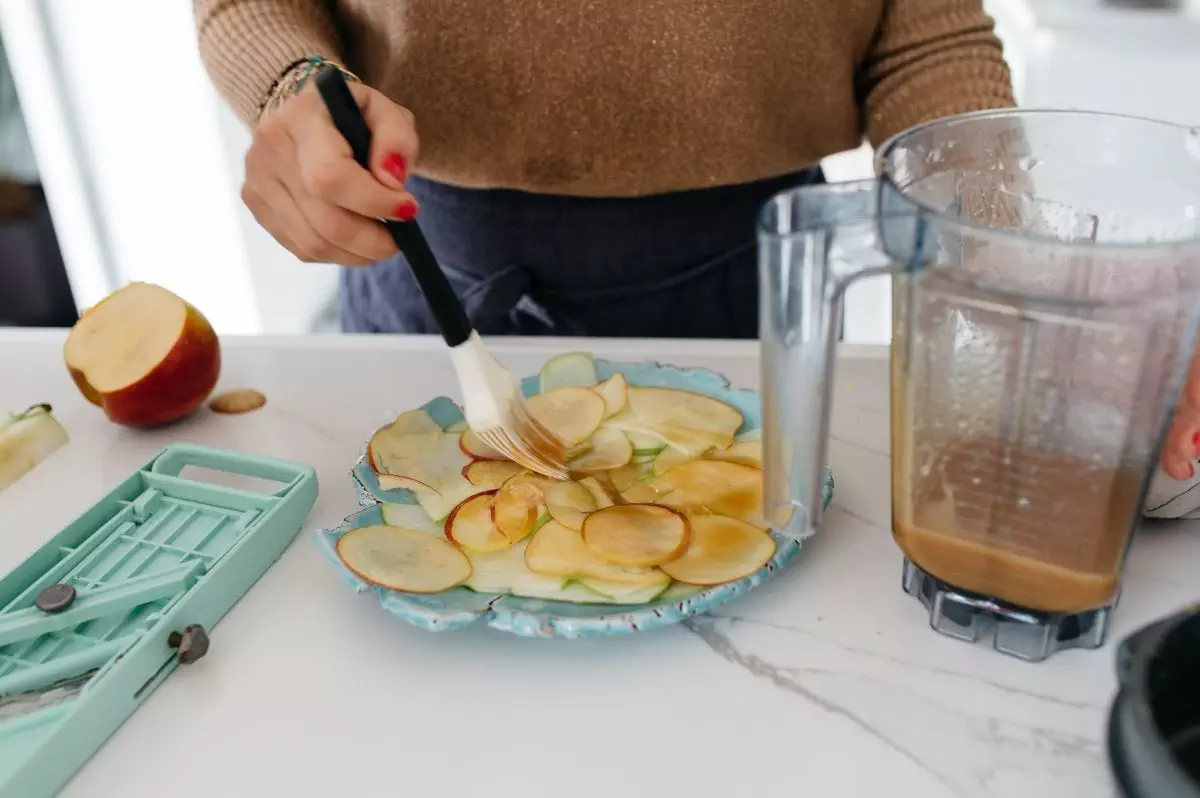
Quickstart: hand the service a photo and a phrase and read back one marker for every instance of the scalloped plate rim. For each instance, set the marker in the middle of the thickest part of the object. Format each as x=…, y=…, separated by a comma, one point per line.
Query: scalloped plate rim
x=528, y=617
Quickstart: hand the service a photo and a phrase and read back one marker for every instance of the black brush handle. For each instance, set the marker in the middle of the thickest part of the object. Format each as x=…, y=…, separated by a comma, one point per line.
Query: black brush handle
x=443, y=303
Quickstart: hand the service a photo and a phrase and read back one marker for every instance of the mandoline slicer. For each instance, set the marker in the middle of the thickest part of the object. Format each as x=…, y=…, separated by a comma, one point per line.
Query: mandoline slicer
x=101, y=614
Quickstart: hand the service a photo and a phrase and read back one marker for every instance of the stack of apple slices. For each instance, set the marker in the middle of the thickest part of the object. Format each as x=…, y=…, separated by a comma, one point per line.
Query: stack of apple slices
x=665, y=498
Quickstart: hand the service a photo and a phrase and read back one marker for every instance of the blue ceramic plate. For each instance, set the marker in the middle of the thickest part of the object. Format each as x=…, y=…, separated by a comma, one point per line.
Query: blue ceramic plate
x=529, y=617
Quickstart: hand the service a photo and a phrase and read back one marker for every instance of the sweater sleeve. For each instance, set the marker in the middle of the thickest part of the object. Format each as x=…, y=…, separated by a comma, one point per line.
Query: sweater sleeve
x=931, y=59
x=246, y=45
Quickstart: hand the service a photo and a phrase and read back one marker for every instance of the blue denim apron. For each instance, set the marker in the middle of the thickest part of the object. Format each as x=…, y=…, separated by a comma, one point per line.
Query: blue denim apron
x=678, y=265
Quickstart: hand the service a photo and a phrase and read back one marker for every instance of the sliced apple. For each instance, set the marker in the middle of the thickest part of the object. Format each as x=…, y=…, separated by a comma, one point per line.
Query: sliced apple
x=609, y=449
x=490, y=474
x=721, y=550
x=555, y=550
x=474, y=447
x=680, y=590
x=716, y=487
x=598, y=492
x=458, y=427
x=689, y=421
x=569, y=370
x=403, y=559
x=639, y=535
x=615, y=393
x=410, y=516
x=569, y=503
x=623, y=478
x=668, y=458
x=570, y=414
x=645, y=443
x=470, y=525
x=144, y=356
x=625, y=593
x=505, y=571
x=647, y=491
x=746, y=452
x=516, y=508
x=26, y=440
x=400, y=451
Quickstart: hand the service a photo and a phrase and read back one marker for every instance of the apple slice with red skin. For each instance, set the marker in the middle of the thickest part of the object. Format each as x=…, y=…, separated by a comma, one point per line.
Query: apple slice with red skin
x=516, y=507
x=402, y=559
x=490, y=474
x=470, y=525
x=474, y=447
x=144, y=356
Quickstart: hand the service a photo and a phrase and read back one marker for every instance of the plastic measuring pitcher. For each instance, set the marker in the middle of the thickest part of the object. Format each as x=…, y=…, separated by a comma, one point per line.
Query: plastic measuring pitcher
x=1045, y=272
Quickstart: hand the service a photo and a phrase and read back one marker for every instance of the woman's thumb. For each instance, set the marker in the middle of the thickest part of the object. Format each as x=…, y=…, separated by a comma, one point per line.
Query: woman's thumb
x=393, y=137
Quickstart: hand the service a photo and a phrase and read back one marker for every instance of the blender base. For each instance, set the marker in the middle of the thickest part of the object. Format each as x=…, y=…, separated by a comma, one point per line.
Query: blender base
x=1026, y=634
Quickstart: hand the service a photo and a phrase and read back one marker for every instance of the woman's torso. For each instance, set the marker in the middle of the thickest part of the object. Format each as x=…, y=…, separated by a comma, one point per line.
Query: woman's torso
x=616, y=98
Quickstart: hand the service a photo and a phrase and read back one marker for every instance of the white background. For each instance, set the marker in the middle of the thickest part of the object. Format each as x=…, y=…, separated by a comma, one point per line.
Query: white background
x=142, y=162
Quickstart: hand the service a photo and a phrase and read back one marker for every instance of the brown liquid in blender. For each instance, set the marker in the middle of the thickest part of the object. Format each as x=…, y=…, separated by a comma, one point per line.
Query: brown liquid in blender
x=1042, y=531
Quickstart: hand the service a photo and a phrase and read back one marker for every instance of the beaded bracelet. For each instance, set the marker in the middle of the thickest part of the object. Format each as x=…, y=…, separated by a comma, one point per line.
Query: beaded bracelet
x=295, y=76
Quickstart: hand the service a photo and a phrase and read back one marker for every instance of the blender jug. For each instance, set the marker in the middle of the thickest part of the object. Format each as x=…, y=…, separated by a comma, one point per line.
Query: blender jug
x=1045, y=271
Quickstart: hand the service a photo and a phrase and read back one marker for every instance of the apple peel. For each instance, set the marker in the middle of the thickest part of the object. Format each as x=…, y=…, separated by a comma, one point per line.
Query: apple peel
x=470, y=525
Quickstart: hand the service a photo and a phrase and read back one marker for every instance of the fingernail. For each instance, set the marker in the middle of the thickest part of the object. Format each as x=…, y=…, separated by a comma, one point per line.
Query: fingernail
x=395, y=165
x=406, y=211
x=1196, y=442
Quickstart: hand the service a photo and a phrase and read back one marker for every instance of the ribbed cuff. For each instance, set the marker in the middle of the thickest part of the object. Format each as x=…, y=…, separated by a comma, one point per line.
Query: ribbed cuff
x=956, y=81
x=246, y=45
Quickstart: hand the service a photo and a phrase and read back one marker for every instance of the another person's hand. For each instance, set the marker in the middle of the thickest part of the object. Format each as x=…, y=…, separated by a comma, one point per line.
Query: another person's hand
x=305, y=188
x=1182, y=446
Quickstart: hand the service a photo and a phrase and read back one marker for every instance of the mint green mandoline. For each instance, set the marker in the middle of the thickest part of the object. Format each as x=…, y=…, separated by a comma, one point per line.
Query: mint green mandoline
x=102, y=613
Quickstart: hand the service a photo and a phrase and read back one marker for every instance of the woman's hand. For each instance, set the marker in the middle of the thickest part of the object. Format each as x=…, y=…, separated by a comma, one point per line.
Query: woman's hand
x=1182, y=446
x=304, y=186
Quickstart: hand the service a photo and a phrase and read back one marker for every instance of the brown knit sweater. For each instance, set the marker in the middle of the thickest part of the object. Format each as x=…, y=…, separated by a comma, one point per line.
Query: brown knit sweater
x=625, y=97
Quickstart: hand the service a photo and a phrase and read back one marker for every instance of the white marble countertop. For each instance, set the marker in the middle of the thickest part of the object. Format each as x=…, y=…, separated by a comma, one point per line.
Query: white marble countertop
x=826, y=681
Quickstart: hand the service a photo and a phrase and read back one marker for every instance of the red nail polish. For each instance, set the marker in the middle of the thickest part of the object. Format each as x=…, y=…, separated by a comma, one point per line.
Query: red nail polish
x=1191, y=471
x=406, y=211
x=395, y=165
x=1196, y=442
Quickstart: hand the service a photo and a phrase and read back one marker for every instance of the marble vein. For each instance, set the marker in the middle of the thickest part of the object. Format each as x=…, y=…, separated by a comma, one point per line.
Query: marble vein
x=782, y=678
x=862, y=652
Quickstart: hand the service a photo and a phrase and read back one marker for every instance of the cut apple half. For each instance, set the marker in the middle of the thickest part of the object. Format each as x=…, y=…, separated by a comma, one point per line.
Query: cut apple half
x=716, y=487
x=402, y=559
x=615, y=393
x=721, y=550
x=490, y=474
x=568, y=370
x=570, y=414
x=516, y=508
x=639, y=535
x=470, y=525
x=26, y=440
x=609, y=449
x=474, y=447
x=144, y=356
